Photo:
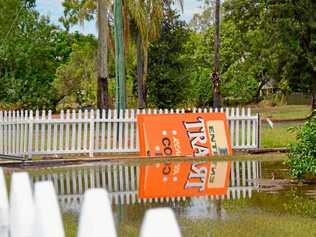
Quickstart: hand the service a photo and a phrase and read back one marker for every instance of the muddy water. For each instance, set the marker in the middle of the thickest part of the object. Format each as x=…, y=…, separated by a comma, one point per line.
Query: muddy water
x=260, y=199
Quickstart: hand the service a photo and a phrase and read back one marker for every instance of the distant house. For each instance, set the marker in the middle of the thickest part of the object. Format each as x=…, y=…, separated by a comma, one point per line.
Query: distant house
x=269, y=88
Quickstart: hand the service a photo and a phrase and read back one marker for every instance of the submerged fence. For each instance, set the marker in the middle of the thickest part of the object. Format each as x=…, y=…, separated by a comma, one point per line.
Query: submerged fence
x=37, y=213
x=28, y=133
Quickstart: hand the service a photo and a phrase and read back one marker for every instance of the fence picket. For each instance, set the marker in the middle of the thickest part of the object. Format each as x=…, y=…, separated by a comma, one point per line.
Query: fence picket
x=85, y=131
x=243, y=127
x=103, y=119
x=97, y=129
x=67, y=131
x=91, y=137
x=155, y=219
x=30, y=138
x=96, y=216
x=73, y=130
x=114, y=138
x=21, y=206
x=248, y=126
x=10, y=133
x=47, y=215
x=1, y=132
x=79, y=140
x=55, y=136
x=126, y=126
x=109, y=130
x=61, y=132
x=120, y=128
x=49, y=127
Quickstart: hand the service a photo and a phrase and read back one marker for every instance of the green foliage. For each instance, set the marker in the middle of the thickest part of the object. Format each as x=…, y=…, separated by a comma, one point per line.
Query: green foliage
x=76, y=80
x=302, y=156
x=168, y=83
x=31, y=49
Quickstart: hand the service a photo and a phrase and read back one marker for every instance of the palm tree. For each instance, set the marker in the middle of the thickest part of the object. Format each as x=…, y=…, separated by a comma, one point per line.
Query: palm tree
x=79, y=11
x=102, y=64
x=148, y=16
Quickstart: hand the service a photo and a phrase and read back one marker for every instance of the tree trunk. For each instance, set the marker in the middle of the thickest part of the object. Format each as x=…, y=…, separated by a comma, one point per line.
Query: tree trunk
x=140, y=71
x=119, y=56
x=102, y=64
x=216, y=73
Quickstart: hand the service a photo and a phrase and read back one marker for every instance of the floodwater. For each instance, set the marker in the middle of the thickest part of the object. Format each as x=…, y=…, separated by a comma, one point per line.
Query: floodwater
x=223, y=198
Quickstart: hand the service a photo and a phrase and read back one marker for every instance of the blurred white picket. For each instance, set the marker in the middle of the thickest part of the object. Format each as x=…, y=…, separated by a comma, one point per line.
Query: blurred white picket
x=28, y=133
x=48, y=222
x=40, y=216
x=160, y=222
x=96, y=215
x=22, y=208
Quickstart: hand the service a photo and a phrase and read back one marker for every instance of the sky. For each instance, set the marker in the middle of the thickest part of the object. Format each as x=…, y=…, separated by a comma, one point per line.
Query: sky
x=54, y=9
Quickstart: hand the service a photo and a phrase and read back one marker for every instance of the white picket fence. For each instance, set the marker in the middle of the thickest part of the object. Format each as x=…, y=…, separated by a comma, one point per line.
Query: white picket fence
x=37, y=214
x=28, y=133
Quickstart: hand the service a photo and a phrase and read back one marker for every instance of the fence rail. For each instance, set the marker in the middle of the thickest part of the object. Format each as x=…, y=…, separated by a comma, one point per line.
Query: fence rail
x=28, y=133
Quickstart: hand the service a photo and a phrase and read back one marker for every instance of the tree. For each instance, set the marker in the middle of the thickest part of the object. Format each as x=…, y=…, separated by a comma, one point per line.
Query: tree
x=30, y=51
x=76, y=12
x=75, y=80
x=169, y=83
x=148, y=16
x=216, y=73
x=103, y=74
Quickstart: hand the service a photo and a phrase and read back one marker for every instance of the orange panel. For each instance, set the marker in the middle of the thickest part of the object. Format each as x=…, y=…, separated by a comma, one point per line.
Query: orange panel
x=190, y=134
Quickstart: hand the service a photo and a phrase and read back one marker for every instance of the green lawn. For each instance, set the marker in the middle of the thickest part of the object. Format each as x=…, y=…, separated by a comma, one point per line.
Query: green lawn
x=283, y=112
x=279, y=136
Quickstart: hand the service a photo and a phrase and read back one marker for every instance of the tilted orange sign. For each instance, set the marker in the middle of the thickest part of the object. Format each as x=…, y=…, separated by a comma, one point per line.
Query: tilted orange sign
x=194, y=134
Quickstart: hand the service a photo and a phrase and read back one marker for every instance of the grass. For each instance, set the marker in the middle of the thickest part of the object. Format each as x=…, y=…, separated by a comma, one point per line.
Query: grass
x=283, y=112
x=252, y=224
x=279, y=136
x=248, y=223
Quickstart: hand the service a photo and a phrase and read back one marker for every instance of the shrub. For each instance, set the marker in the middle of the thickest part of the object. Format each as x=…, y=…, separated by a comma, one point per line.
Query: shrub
x=302, y=156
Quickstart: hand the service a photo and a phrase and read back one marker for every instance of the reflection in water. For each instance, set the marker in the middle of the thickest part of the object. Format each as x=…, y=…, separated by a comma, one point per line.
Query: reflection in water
x=122, y=182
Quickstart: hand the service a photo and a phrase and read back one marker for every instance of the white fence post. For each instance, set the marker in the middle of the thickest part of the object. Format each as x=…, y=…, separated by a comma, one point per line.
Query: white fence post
x=160, y=222
x=21, y=206
x=30, y=139
x=91, y=144
x=1, y=132
x=258, y=131
x=4, y=207
x=48, y=221
x=96, y=217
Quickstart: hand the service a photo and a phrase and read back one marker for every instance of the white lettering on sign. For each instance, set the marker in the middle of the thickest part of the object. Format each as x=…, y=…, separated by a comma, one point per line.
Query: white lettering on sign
x=197, y=176
x=197, y=135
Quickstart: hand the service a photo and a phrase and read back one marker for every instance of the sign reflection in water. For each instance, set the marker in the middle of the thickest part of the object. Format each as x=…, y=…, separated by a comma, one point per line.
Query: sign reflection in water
x=122, y=183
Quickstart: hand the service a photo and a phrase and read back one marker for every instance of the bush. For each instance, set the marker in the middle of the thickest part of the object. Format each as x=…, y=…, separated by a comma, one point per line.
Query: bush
x=302, y=156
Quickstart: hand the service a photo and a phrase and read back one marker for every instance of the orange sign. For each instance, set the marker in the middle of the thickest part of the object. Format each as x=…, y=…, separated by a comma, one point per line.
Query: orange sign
x=190, y=134
x=184, y=179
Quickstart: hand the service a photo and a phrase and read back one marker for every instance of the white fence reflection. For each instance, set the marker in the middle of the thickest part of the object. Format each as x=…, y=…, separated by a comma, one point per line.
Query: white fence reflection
x=122, y=181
